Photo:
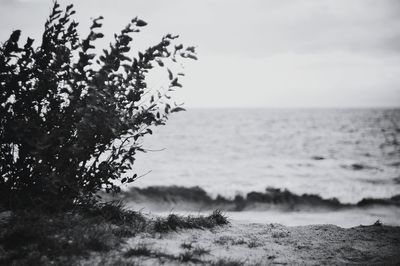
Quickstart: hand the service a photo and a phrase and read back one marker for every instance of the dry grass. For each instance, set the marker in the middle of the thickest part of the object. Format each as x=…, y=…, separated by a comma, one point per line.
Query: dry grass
x=174, y=222
x=37, y=238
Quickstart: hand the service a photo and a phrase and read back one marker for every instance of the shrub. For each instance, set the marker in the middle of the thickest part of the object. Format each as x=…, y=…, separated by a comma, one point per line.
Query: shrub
x=72, y=121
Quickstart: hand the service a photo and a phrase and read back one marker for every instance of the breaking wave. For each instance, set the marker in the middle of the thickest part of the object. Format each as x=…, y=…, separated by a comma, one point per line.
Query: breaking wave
x=197, y=198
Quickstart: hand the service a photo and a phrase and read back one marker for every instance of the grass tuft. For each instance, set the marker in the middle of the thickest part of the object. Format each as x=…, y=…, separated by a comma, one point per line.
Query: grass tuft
x=219, y=218
x=174, y=222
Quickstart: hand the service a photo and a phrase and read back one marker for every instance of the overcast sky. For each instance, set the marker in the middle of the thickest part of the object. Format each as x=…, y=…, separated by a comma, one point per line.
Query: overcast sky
x=258, y=53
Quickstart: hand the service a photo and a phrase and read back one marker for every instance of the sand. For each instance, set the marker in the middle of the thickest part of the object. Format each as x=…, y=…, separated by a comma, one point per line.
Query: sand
x=261, y=244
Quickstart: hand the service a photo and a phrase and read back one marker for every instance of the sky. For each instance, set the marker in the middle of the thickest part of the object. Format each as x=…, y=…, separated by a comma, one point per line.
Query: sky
x=257, y=53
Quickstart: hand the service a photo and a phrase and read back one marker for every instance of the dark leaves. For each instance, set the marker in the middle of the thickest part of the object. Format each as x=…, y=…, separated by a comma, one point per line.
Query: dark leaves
x=178, y=47
x=191, y=56
x=15, y=36
x=72, y=121
x=191, y=49
x=175, y=83
x=29, y=43
x=69, y=7
x=96, y=24
x=170, y=75
x=160, y=63
x=177, y=109
x=140, y=23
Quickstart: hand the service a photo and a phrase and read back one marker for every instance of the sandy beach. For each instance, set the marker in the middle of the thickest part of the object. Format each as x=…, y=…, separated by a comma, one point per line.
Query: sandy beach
x=278, y=235
x=260, y=244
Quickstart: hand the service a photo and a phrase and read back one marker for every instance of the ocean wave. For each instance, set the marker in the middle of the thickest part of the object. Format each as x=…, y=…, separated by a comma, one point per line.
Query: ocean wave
x=197, y=198
x=359, y=166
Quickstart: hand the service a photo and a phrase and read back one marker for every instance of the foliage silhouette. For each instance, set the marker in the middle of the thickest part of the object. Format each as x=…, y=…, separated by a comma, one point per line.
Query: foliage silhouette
x=72, y=121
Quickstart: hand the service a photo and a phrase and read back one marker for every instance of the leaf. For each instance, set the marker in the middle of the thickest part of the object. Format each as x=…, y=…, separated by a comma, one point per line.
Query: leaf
x=169, y=36
x=141, y=149
x=191, y=56
x=98, y=35
x=133, y=178
x=175, y=83
x=141, y=23
x=191, y=49
x=15, y=36
x=29, y=43
x=125, y=49
x=160, y=63
x=178, y=47
x=95, y=25
x=170, y=75
x=166, y=42
x=177, y=109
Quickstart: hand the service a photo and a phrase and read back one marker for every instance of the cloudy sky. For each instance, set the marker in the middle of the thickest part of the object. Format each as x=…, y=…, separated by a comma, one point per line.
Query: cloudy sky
x=258, y=53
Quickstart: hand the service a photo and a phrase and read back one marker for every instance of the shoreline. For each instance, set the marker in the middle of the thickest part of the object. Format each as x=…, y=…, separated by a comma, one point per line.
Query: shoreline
x=272, y=206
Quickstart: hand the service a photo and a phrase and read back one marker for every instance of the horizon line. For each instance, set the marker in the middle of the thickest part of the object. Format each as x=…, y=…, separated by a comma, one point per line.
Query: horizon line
x=295, y=107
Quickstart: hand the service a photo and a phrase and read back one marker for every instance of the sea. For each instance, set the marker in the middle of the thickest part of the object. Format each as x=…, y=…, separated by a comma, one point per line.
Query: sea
x=347, y=154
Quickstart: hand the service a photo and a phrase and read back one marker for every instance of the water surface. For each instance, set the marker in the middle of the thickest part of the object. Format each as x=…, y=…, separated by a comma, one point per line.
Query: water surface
x=349, y=154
